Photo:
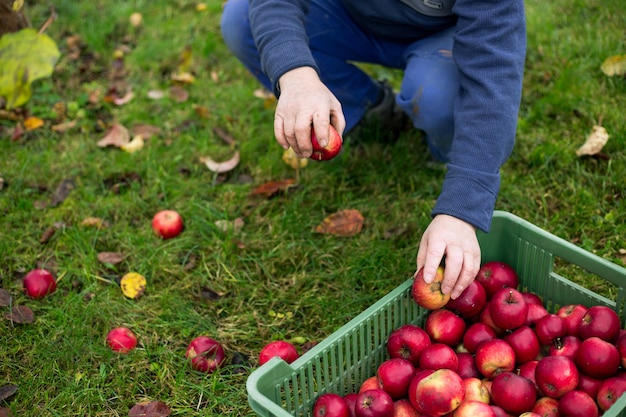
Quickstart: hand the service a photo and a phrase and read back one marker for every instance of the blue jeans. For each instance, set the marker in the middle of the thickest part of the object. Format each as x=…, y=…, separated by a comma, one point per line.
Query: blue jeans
x=430, y=80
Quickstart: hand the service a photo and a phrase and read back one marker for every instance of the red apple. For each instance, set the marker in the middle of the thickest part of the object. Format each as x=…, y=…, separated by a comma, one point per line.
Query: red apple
x=546, y=407
x=407, y=342
x=549, y=328
x=331, y=405
x=514, y=393
x=121, y=339
x=572, y=315
x=597, y=358
x=532, y=298
x=167, y=224
x=369, y=383
x=620, y=343
x=445, y=326
x=556, y=375
x=508, y=308
x=470, y=302
x=600, y=321
x=429, y=295
x=474, y=409
x=394, y=376
x=496, y=275
x=403, y=408
x=475, y=390
x=477, y=333
x=527, y=370
x=499, y=412
x=374, y=403
x=535, y=312
x=438, y=393
x=485, y=317
x=38, y=283
x=332, y=148
x=281, y=348
x=610, y=390
x=439, y=356
x=530, y=414
x=350, y=399
x=565, y=346
x=493, y=357
x=205, y=354
x=525, y=343
x=467, y=366
x=577, y=404
x=589, y=384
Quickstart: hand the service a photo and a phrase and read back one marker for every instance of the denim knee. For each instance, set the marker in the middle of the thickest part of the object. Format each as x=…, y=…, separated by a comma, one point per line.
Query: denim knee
x=235, y=26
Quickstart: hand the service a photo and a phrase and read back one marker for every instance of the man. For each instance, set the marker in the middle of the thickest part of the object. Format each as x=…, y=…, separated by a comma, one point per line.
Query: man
x=463, y=66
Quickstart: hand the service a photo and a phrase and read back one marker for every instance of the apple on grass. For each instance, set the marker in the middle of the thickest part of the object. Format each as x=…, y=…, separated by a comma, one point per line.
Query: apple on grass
x=281, y=348
x=597, y=358
x=38, y=283
x=495, y=275
x=493, y=357
x=331, y=405
x=556, y=375
x=600, y=321
x=437, y=394
x=205, y=354
x=429, y=295
x=332, y=148
x=445, y=326
x=374, y=403
x=577, y=404
x=508, y=309
x=121, y=339
x=514, y=393
x=167, y=224
x=394, y=376
x=407, y=342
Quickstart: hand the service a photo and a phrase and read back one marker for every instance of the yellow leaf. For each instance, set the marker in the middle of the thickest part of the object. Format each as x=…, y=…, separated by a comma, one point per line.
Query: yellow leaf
x=221, y=167
x=33, y=123
x=200, y=7
x=291, y=159
x=614, y=65
x=17, y=5
x=342, y=223
x=96, y=222
x=135, y=19
x=117, y=135
x=134, y=145
x=595, y=142
x=133, y=285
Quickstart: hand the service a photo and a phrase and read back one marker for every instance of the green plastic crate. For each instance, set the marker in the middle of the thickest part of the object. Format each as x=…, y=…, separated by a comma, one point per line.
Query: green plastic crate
x=352, y=353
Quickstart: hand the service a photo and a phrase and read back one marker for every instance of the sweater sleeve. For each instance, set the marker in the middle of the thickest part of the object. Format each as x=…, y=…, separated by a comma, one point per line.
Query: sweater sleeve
x=489, y=50
x=278, y=28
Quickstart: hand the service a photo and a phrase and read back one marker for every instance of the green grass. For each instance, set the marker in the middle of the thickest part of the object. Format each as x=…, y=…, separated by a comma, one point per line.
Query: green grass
x=277, y=278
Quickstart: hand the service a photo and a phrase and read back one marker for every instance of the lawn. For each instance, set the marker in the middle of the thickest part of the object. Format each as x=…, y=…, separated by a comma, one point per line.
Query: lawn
x=64, y=200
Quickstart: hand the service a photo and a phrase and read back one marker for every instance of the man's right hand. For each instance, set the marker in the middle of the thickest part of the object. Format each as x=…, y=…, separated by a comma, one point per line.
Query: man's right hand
x=304, y=102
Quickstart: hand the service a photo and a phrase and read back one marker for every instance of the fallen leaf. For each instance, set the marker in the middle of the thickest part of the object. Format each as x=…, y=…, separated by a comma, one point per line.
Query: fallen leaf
x=135, y=19
x=228, y=225
x=156, y=94
x=263, y=93
x=150, y=409
x=5, y=298
x=291, y=159
x=32, y=123
x=64, y=127
x=271, y=188
x=200, y=7
x=111, y=257
x=117, y=135
x=5, y=412
x=183, y=77
x=178, y=93
x=133, y=285
x=134, y=145
x=7, y=391
x=595, y=142
x=21, y=315
x=146, y=131
x=120, y=101
x=614, y=65
x=342, y=223
x=18, y=131
x=62, y=192
x=47, y=234
x=210, y=294
x=96, y=222
x=221, y=167
x=224, y=135
x=202, y=111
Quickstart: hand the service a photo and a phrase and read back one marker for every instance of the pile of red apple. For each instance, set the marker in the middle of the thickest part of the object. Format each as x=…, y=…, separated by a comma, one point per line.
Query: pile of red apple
x=495, y=351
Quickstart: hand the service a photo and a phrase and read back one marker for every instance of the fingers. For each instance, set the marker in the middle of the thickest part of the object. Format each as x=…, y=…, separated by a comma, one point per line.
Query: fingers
x=432, y=254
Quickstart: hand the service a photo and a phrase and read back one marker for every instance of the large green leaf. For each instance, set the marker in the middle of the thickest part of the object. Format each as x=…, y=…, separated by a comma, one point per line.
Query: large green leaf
x=25, y=56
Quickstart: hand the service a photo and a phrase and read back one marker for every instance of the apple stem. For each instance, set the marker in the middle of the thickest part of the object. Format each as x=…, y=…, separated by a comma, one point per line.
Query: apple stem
x=558, y=343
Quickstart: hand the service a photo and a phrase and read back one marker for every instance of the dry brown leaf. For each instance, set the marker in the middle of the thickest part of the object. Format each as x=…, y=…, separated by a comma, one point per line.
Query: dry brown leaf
x=111, y=257
x=221, y=167
x=150, y=409
x=96, y=222
x=7, y=391
x=156, y=94
x=21, y=315
x=183, y=77
x=62, y=192
x=146, y=131
x=178, y=93
x=595, y=142
x=5, y=298
x=117, y=135
x=347, y=222
x=32, y=123
x=271, y=188
x=120, y=101
x=614, y=65
x=64, y=127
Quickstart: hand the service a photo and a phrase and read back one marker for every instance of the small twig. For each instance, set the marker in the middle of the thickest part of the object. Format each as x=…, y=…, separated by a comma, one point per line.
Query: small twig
x=52, y=18
x=224, y=135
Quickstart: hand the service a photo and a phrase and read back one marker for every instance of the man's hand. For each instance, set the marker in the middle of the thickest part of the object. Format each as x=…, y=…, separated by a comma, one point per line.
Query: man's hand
x=304, y=101
x=456, y=239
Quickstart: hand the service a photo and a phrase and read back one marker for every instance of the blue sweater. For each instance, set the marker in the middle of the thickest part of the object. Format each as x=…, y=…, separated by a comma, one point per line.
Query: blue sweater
x=489, y=50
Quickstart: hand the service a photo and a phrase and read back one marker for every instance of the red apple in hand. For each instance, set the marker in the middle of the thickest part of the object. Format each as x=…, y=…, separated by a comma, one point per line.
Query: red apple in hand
x=324, y=153
x=374, y=403
x=281, y=348
x=514, y=393
x=556, y=375
x=206, y=354
x=429, y=296
x=496, y=275
x=508, y=308
x=121, y=339
x=38, y=283
x=407, y=342
x=331, y=405
x=167, y=224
